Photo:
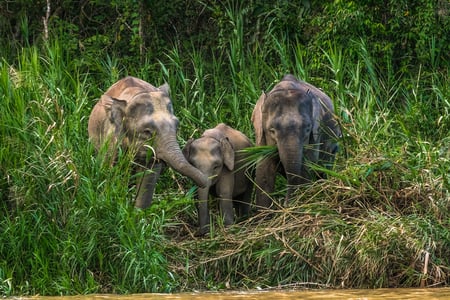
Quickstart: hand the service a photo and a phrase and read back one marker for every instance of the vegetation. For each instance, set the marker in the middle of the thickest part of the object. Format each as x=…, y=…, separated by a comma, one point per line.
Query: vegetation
x=380, y=219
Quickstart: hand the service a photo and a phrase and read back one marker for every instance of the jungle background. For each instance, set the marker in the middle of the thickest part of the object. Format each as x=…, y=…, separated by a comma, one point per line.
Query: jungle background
x=380, y=219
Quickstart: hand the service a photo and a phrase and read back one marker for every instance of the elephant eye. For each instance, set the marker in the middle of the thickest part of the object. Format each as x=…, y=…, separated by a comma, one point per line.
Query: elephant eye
x=307, y=128
x=217, y=167
x=148, y=132
x=177, y=123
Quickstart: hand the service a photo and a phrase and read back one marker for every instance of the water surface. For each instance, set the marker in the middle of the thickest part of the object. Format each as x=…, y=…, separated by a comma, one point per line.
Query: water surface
x=376, y=294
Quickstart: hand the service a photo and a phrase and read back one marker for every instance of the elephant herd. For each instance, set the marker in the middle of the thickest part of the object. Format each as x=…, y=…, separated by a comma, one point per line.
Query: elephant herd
x=294, y=116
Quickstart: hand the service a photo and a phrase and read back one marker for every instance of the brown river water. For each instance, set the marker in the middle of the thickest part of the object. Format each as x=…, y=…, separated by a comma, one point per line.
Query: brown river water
x=376, y=294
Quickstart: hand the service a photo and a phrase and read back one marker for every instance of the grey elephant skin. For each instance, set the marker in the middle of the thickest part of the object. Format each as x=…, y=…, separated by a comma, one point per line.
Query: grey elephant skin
x=298, y=119
x=136, y=115
x=217, y=154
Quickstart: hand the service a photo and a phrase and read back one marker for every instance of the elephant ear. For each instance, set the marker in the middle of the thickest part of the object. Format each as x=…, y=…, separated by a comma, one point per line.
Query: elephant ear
x=187, y=149
x=316, y=104
x=228, y=153
x=257, y=120
x=115, y=110
x=165, y=88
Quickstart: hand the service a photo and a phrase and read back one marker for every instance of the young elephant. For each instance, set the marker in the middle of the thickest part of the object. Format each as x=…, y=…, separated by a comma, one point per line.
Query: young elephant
x=298, y=119
x=216, y=154
x=137, y=115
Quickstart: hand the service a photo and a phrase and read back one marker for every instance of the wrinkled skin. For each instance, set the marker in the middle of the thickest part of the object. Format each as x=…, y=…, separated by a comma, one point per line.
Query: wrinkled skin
x=216, y=154
x=137, y=115
x=298, y=119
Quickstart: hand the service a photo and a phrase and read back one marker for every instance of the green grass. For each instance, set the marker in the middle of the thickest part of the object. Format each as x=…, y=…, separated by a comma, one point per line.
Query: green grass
x=67, y=218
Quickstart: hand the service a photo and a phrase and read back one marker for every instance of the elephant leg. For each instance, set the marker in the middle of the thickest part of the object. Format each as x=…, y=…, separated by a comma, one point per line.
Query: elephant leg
x=227, y=210
x=146, y=186
x=243, y=205
x=312, y=157
x=294, y=181
x=224, y=189
x=203, y=211
x=266, y=172
x=327, y=153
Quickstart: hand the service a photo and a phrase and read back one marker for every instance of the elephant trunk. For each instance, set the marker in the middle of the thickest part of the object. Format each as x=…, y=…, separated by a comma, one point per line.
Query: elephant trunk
x=169, y=151
x=292, y=160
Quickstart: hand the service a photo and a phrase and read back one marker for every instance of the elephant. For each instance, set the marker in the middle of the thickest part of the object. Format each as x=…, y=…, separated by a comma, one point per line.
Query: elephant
x=133, y=114
x=298, y=119
x=217, y=154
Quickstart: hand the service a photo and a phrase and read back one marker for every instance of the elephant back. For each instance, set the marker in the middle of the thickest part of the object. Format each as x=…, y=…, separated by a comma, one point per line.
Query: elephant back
x=130, y=83
x=236, y=137
x=289, y=82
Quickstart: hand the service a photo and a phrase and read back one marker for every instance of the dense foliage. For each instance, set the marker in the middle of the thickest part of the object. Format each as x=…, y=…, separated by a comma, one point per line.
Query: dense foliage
x=143, y=30
x=381, y=219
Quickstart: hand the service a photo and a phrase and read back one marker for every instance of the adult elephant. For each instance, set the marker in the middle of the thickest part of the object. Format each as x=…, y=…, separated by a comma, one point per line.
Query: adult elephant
x=298, y=119
x=136, y=115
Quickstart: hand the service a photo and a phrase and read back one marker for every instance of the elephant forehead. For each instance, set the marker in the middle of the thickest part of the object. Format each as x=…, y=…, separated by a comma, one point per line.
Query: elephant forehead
x=206, y=161
x=206, y=146
x=278, y=113
x=289, y=122
x=148, y=103
x=287, y=100
x=161, y=101
x=136, y=109
x=160, y=121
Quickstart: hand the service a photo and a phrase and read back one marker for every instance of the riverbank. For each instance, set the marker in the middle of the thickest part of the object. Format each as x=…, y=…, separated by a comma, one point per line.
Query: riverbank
x=369, y=294
x=366, y=227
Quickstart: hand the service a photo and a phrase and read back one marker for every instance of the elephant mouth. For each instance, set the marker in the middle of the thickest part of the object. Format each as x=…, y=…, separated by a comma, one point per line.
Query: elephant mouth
x=145, y=153
x=213, y=178
x=148, y=148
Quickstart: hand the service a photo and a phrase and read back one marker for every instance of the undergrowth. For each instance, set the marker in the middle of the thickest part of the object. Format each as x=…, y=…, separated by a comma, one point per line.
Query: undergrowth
x=369, y=226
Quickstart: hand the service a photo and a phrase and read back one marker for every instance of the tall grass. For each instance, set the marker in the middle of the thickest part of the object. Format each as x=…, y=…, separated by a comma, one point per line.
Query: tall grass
x=69, y=226
x=67, y=223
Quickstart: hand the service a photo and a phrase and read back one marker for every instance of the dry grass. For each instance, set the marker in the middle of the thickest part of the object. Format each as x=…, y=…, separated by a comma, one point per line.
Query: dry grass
x=358, y=230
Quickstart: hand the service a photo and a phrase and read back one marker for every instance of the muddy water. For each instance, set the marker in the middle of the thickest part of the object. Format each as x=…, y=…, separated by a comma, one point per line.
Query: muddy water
x=378, y=294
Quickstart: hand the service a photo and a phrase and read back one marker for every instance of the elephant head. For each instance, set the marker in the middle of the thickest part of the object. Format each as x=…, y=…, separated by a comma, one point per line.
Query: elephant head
x=216, y=154
x=138, y=115
x=298, y=119
x=210, y=156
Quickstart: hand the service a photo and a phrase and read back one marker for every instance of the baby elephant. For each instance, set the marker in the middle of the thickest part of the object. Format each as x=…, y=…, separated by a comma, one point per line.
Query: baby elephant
x=216, y=154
